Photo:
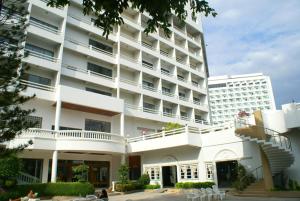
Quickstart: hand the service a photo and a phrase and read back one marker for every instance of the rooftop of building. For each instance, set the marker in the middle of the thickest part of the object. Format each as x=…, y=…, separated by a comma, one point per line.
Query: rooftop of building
x=226, y=77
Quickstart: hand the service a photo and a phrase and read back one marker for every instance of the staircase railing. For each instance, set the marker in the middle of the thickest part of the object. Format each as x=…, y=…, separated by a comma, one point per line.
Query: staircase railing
x=256, y=172
x=271, y=135
x=25, y=178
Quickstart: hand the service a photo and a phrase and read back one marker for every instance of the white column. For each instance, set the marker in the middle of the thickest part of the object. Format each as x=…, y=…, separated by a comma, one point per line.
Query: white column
x=57, y=114
x=122, y=125
x=54, y=167
x=45, y=170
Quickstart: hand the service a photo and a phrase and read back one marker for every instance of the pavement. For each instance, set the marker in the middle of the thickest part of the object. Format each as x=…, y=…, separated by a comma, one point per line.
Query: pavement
x=177, y=196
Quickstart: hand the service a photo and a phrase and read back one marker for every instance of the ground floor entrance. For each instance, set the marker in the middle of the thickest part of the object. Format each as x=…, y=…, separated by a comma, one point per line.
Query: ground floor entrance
x=169, y=176
x=226, y=173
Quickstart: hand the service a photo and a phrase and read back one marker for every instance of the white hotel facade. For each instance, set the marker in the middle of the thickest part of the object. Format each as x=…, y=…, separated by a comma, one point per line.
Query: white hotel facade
x=105, y=102
x=229, y=95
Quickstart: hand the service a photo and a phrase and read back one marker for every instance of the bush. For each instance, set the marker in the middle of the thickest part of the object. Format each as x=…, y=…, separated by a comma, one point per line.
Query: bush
x=244, y=179
x=171, y=126
x=207, y=184
x=144, y=179
x=50, y=189
x=152, y=186
x=128, y=187
x=123, y=174
x=81, y=172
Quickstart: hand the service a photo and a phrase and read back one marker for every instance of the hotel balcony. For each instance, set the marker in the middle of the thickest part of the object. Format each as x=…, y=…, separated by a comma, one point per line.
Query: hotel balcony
x=60, y=11
x=89, y=50
x=40, y=91
x=41, y=59
x=76, y=99
x=71, y=140
x=185, y=136
x=91, y=76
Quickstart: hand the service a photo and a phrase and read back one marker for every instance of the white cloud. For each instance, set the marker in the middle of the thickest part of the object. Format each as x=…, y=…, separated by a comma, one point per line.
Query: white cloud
x=257, y=36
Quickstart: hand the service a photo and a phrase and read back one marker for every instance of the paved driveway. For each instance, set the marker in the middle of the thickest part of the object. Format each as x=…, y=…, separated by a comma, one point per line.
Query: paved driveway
x=157, y=196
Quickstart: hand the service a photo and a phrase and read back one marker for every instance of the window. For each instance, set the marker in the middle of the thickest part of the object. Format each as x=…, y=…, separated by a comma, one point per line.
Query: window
x=145, y=131
x=183, y=114
x=148, y=84
x=38, y=79
x=209, y=171
x=153, y=172
x=37, y=121
x=146, y=63
x=95, y=125
x=180, y=77
x=165, y=71
x=43, y=23
x=196, y=99
x=100, y=46
x=167, y=110
x=195, y=82
x=99, y=69
x=98, y=91
x=166, y=90
x=149, y=106
x=216, y=85
x=189, y=172
x=40, y=50
x=182, y=95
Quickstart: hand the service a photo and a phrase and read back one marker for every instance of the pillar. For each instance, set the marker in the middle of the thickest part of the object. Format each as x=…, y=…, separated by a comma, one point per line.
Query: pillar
x=45, y=170
x=57, y=110
x=54, y=167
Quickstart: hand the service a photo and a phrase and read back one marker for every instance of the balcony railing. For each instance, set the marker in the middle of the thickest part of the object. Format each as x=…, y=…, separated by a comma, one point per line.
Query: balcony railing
x=133, y=83
x=77, y=134
x=165, y=53
x=148, y=66
x=185, y=118
x=44, y=26
x=181, y=79
x=41, y=55
x=149, y=88
x=166, y=73
x=180, y=60
x=166, y=114
x=183, y=98
x=85, y=71
x=134, y=60
x=91, y=47
x=37, y=85
x=147, y=45
x=150, y=110
x=168, y=94
x=129, y=37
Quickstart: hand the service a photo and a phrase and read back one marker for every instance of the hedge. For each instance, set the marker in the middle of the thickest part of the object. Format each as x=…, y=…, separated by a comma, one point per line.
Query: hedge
x=134, y=186
x=194, y=184
x=50, y=189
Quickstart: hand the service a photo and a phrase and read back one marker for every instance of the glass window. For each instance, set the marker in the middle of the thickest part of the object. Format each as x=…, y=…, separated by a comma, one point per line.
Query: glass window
x=35, y=48
x=167, y=110
x=33, y=167
x=149, y=106
x=43, y=23
x=98, y=91
x=95, y=125
x=209, y=171
x=37, y=121
x=148, y=84
x=166, y=90
x=188, y=172
x=38, y=79
x=99, y=69
x=100, y=46
x=147, y=63
x=144, y=131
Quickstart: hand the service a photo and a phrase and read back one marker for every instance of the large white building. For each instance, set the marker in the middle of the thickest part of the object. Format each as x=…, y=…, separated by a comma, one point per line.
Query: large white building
x=105, y=102
x=229, y=95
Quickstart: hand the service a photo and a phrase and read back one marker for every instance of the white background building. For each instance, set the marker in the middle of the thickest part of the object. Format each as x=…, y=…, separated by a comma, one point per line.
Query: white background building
x=229, y=95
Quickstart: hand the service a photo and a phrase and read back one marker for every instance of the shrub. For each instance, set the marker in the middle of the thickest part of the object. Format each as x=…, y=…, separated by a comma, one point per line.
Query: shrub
x=207, y=184
x=172, y=126
x=152, y=186
x=244, y=179
x=144, y=179
x=123, y=174
x=50, y=189
x=81, y=172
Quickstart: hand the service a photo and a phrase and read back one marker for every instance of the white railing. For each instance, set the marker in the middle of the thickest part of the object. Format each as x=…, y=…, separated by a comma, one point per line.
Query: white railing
x=181, y=79
x=149, y=88
x=24, y=178
x=41, y=55
x=164, y=53
x=185, y=118
x=37, y=85
x=129, y=37
x=47, y=1
x=144, y=44
x=166, y=114
x=81, y=19
x=134, y=60
x=180, y=60
x=166, y=73
x=148, y=66
x=129, y=81
x=133, y=107
x=150, y=110
x=77, y=134
x=183, y=98
x=197, y=102
x=44, y=26
x=85, y=71
x=168, y=94
x=91, y=47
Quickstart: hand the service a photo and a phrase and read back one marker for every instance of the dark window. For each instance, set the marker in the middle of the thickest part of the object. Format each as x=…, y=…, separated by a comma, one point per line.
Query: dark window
x=198, y=117
x=165, y=70
x=65, y=128
x=100, y=46
x=35, y=48
x=216, y=85
x=95, y=125
x=183, y=114
x=167, y=110
x=182, y=94
x=33, y=167
x=148, y=84
x=98, y=91
x=38, y=79
x=195, y=82
x=99, y=69
x=43, y=23
x=149, y=106
x=196, y=99
x=147, y=63
x=37, y=121
x=180, y=77
x=166, y=90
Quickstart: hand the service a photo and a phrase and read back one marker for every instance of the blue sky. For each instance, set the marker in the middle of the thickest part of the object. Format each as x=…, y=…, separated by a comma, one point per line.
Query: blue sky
x=252, y=36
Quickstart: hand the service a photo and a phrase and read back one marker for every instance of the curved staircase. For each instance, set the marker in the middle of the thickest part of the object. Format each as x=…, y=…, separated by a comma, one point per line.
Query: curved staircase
x=276, y=146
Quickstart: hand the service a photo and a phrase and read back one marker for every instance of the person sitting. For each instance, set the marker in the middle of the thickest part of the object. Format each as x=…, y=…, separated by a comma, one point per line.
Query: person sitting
x=30, y=195
x=104, y=195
